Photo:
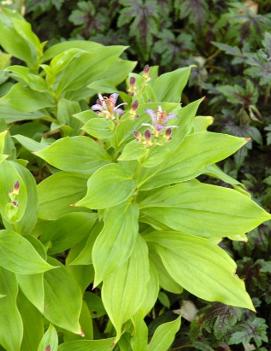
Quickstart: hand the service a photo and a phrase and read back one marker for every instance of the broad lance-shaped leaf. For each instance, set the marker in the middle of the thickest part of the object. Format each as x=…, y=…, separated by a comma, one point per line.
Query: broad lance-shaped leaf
x=204, y=210
x=65, y=232
x=124, y=289
x=11, y=325
x=32, y=285
x=165, y=280
x=169, y=86
x=115, y=243
x=108, y=186
x=164, y=336
x=77, y=154
x=100, y=128
x=19, y=256
x=191, y=158
x=201, y=267
x=17, y=38
x=88, y=345
x=33, y=323
x=63, y=299
x=57, y=192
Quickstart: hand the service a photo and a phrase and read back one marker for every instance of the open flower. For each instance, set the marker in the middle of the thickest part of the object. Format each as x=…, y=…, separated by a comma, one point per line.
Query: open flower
x=106, y=106
x=159, y=118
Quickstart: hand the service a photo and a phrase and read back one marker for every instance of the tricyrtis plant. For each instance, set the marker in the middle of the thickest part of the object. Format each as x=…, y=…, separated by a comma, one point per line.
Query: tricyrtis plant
x=118, y=207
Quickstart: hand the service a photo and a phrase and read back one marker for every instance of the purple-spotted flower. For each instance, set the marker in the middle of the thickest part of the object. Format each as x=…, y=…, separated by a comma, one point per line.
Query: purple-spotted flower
x=106, y=106
x=159, y=119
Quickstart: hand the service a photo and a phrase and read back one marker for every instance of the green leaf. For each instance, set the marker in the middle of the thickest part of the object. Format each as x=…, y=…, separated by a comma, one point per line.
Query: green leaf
x=11, y=325
x=80, y=255
x=73, y=69
x=25, y=100
x=116, y=241
x=32, y=285
x=19, y=256
x=133, y=151
x=100, y=128
x=63, y=299
x=216, y=280
x=56, y=49
x=33, y=288
x=164, y=336
x=49, y=339
x=65, y=232
x=190, y=159
x=139, y=339
x=28, y=143
x=120, y=297
x=17, y=38
x=169, y=86
x=108, y=186
x=204, y=210
x=65, y=110
x=165, y=280
x=32, y=324
x=87, y=345
x=24, y=75
x=58, y=192
x=75, y=154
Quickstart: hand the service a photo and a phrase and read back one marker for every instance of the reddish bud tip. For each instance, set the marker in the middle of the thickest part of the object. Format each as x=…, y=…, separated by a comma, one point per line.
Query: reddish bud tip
x=132, y=81
x=147, y=134
x=17, y=185
x=134, y=105
x=168, y=133
x=48, y=348
x=146, y=69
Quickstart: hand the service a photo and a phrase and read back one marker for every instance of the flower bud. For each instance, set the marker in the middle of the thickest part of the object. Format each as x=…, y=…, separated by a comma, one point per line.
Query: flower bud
x=146, y=73
x=148, y=137
x=146, y=69
x=137, y=135
x=132, y=81
x=48, y=348
x=134, y=105
x=168, y=133
x=16, y=188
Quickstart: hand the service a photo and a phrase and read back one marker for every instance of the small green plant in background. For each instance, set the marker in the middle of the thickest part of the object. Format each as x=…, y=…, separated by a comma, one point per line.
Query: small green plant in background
x=102, y=208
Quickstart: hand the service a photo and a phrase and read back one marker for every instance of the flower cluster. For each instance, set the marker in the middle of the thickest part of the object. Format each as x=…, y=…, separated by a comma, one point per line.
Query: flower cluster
x=106, y=106
x=158, y=131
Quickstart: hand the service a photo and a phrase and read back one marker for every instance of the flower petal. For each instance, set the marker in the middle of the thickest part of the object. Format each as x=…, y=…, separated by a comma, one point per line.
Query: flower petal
x=152, y=114
x=114, y=97
x=97, y=107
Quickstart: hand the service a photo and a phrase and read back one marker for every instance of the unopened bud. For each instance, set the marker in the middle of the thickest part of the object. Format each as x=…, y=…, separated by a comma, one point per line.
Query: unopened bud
x=134, y=105
x=146, y=69
x=168, y=133
x=138, y=135
x=147, y=134
x=132, y=81
x=16, y=188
